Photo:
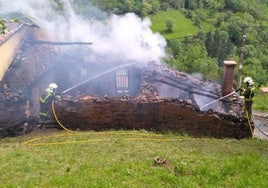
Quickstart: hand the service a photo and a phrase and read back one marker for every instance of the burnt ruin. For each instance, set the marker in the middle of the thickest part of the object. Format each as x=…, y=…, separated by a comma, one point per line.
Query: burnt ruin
x=97, y=95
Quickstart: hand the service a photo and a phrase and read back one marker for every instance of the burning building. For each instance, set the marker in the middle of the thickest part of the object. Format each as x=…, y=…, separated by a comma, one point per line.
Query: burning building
x=130, y=89
x=133, y=95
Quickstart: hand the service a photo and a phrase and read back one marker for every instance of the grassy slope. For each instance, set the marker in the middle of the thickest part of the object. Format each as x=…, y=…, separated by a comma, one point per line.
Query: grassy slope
x=183, y=26
x=260, y=102
x=126, y=159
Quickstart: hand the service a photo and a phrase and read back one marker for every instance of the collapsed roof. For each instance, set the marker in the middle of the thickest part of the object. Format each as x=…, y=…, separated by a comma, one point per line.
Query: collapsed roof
x=170, y=99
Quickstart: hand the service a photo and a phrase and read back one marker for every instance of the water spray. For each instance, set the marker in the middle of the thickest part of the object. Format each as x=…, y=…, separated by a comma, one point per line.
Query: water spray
x=216, y=100
x=98, y=75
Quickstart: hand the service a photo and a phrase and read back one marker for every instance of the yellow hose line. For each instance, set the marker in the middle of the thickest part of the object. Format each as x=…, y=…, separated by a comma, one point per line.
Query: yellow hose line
x=138, y=137
x=250, y=126
x=56, y=118
x=29, y=142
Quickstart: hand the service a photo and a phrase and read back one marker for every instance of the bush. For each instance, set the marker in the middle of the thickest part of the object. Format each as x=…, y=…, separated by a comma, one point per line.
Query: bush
x=170, y=25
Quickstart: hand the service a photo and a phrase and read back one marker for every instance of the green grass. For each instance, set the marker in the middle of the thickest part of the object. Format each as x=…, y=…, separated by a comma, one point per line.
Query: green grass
x=183, y=26
x=126, y=159
x=260, y=102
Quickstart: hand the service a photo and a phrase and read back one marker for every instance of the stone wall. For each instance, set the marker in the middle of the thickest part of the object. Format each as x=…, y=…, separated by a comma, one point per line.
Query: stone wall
x=165, y=115
x=13, y=112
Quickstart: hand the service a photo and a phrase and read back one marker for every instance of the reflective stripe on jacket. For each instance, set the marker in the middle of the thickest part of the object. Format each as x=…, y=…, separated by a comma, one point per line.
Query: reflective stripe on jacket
x=248, y=93
x=45, y=96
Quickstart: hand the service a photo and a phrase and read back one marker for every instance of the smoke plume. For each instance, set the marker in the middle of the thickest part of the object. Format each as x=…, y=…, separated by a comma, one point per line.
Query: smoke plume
x=122, y=38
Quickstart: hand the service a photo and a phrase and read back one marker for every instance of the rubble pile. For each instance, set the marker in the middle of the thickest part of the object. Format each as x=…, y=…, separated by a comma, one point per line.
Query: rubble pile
x=147, y=110
x=31, y=62
x=27, y=68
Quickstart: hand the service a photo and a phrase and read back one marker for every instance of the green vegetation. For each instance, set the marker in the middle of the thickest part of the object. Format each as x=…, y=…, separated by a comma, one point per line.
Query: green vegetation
x=183, y=26
x=126, y=159
x=261, y=102
x=3, y=26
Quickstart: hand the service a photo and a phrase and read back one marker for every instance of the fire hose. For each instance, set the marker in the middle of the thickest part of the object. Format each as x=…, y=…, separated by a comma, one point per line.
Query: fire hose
x=216, y=100
x=249, y=123
x=56, y=118
x=138, y=136
x=29, y=142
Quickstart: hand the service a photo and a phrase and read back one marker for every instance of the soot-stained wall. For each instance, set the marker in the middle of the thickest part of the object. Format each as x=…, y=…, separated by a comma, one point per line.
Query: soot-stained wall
x=91, y=113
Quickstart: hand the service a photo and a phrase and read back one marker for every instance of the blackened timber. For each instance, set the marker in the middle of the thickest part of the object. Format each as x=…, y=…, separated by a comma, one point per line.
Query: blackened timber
x=187, y=90
x=178, y=82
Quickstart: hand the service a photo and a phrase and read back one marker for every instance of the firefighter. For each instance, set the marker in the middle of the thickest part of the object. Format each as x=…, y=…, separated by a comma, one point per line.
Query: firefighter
x=248, y=94
x=45, y=102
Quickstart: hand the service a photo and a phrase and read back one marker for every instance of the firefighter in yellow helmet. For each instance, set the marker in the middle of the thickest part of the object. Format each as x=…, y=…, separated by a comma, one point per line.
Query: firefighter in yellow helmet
x=248, y=93
x=45, y=102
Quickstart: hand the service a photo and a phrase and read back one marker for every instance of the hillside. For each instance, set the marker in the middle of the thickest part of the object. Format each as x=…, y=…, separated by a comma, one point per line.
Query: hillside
x=127, y=159
x=183, y=26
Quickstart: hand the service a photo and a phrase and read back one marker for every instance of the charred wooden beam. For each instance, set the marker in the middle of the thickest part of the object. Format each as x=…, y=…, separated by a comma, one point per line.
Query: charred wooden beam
x=186, y=85
x=189, y=90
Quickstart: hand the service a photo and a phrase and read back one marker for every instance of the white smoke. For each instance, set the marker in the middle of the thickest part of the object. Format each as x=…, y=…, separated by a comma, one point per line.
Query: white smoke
x=121, y=38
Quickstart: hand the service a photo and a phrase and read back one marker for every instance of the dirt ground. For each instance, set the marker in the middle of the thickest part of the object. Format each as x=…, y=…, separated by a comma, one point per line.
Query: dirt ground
x=261, y=125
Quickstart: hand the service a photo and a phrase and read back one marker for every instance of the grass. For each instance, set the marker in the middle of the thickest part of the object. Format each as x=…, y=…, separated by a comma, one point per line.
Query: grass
x=260, y=102
x=126, y=159
x=182, y=26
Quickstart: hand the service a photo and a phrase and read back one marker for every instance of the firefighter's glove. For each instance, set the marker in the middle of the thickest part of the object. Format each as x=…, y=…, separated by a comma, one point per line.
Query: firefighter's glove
x=239, y=89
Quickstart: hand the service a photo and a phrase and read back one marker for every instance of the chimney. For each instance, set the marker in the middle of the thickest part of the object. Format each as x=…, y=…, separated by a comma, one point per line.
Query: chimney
x=228, y=77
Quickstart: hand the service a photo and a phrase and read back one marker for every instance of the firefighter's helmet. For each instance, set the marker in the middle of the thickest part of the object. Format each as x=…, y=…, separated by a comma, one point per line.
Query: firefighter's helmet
x=248, y=80
x=52, y=87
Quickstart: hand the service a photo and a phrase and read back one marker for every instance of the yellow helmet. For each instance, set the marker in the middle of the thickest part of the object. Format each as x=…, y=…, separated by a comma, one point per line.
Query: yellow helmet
x=248, y=80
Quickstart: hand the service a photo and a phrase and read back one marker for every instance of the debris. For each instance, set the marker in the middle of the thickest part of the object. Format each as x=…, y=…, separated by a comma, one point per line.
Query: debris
x=160, y=162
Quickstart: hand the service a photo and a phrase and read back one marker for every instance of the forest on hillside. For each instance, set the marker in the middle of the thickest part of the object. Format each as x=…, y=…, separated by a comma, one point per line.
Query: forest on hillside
x=232, y=23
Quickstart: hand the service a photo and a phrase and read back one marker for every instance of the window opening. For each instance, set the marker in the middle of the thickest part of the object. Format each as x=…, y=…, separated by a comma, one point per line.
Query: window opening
x=122, y=84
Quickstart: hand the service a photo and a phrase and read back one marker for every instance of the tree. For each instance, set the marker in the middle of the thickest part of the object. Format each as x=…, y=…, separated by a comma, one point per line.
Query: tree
x=190, y=4
x=253, y=68
x=170, y=25
x=264, y=62
x=235, y=24
x=155, y=6
x=177, y=4
x=250, y=51
x=175, y=46
x=218, y=45
x=146, y=8
x=194, y=59
x=214, y=4
x=164, y=6
x=263, y=36
x=128, y=5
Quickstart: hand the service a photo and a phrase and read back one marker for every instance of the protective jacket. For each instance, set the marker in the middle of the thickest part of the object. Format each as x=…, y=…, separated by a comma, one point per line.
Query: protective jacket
x=45, y=102
x=248, y=93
